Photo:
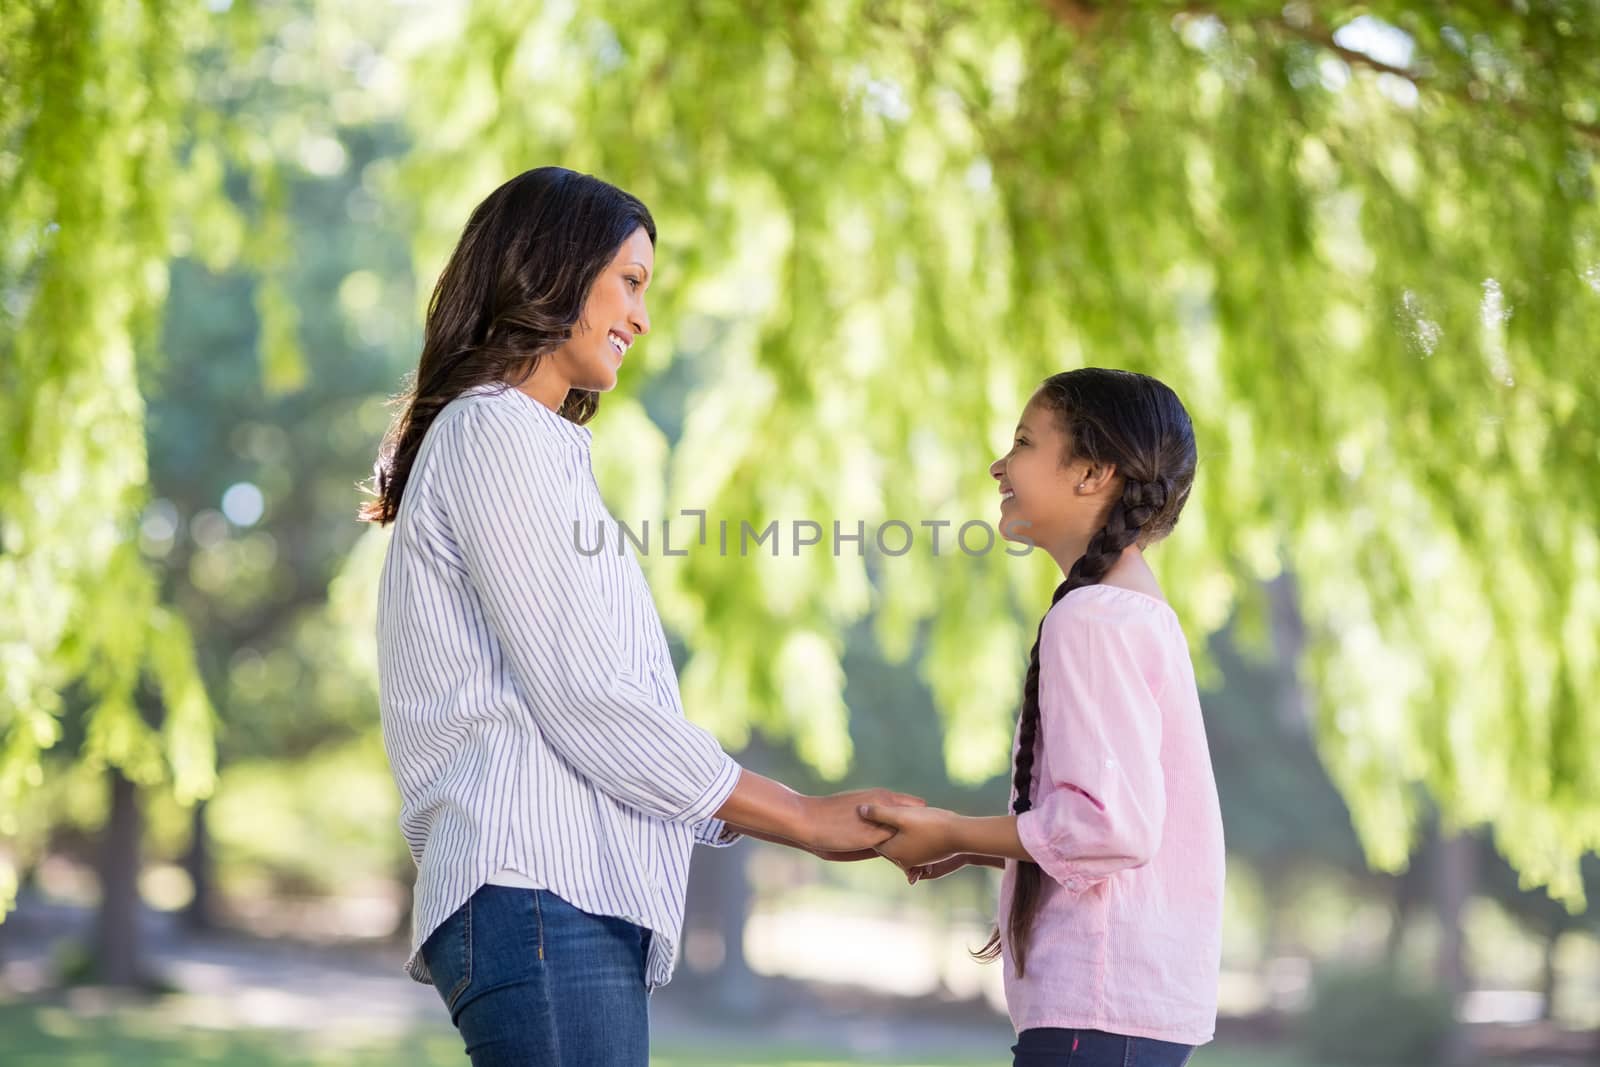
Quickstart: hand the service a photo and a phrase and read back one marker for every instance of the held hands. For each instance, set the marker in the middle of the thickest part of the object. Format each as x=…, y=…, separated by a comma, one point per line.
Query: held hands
x=922, y=842
x=837, y=830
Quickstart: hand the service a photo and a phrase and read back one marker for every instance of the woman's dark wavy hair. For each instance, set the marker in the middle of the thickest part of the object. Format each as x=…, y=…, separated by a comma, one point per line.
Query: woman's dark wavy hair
x=513, y=291
x=1137, y=424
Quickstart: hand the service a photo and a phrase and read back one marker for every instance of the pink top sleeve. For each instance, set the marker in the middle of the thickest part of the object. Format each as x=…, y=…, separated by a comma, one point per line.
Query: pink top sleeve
x=1099, y=801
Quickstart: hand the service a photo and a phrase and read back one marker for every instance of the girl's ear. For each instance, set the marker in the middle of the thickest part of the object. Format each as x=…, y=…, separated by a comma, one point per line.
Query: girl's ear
x=1093, y=478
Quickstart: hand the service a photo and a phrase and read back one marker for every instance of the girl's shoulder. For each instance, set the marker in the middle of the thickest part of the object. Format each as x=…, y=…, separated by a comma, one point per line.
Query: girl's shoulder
x=1115, y=607
x=1120, y=631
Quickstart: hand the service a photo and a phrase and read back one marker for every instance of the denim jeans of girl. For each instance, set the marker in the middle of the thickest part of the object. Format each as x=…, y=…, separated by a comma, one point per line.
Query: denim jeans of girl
x=1050, y=1047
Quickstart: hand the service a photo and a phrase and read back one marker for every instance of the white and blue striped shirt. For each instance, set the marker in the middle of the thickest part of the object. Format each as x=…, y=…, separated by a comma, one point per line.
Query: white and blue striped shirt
x=530, y=708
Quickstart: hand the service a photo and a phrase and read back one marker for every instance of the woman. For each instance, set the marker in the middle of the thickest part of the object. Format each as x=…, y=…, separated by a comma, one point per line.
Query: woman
x=552, y=788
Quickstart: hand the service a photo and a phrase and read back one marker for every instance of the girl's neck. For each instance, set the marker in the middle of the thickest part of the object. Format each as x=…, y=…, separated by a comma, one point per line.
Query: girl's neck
x=1130, y=571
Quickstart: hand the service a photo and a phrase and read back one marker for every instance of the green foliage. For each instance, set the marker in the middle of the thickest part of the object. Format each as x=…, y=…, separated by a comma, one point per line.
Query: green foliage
x=1282, y=814
x=278, y=820
x=1365, y=250
x=119, y=136
x=286, y=647
x=1367, y=257
x=92, y=105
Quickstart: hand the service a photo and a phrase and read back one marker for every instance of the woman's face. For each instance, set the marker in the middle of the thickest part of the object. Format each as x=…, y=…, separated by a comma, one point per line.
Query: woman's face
x=1044, y=496
x=613, y=317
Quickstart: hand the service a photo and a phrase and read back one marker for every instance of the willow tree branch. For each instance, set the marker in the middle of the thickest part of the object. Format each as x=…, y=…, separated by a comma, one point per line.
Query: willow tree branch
x=1084, y=16
x=1323, y=38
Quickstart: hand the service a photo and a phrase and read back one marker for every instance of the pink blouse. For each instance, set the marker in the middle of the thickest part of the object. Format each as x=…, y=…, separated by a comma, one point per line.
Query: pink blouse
x=1126, y=826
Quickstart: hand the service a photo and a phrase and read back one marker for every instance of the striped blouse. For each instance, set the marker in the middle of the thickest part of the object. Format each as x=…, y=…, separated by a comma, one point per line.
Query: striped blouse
x=530, y=708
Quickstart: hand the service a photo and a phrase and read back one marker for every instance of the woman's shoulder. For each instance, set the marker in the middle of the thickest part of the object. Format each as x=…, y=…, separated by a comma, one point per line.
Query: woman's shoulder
x=495, y=414
x=488, y=399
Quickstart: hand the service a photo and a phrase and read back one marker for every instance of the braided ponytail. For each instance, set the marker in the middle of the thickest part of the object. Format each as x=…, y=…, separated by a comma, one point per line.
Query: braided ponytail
x=1145, y=511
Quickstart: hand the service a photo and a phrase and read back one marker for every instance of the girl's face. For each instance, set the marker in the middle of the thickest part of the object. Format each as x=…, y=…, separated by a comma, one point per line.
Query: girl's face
x=1047, y=498
x=613, y=316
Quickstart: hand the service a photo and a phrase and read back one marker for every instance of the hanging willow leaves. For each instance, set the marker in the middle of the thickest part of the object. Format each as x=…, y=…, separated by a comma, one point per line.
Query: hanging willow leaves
x=91, y=104
x=1361, y=242
x=112, y=161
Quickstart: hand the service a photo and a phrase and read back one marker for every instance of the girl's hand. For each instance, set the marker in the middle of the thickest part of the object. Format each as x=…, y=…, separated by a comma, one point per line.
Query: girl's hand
x=922, y=836
x=929, y=871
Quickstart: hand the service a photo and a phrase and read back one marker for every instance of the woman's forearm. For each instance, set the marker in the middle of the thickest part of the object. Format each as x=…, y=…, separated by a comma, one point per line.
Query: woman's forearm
x=766, y=809
x=760, y=835
x=818, y=824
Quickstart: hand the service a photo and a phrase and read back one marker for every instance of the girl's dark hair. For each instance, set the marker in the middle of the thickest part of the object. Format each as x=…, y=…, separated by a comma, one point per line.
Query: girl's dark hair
x=513, y=291
x=1139, y=425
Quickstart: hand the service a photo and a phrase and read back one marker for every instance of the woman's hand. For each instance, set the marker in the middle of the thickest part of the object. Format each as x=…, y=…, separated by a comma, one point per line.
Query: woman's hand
x=845, y=857
x=923, y=836
x=771, y=811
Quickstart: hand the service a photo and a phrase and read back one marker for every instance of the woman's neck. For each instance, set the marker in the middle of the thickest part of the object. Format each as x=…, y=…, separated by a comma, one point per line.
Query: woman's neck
x=546, y=385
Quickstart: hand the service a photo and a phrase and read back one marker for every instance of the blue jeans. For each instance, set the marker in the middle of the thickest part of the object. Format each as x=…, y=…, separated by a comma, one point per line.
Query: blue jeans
x=531, y=980
x=1050, y=1047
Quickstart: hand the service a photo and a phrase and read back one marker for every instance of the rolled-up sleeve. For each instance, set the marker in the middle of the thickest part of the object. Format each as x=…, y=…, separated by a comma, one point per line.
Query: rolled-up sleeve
x=1102, y=808
x=509, y=488
x=715, y=833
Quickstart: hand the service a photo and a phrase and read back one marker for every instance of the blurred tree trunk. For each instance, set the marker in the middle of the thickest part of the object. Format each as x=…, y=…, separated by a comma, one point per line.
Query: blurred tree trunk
x=719, y=905
x=202, y=914
x=118, y=953
x=404, y=874
x=1407, y=893
x=735, y=986
x=1289, y=644
x=1454, y=875
x=1547, y=976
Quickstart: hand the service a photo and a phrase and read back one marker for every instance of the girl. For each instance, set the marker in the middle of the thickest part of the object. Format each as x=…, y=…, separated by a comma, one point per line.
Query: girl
x=551, y=787
x=1111, y=902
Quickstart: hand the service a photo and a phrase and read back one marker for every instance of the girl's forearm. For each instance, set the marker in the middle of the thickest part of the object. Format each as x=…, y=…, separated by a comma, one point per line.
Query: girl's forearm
x=975, y=859
x=989, y=837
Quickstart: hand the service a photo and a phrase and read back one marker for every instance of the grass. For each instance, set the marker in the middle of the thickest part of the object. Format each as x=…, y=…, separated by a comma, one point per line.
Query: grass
x=52, y=1035
x=791, y=1057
